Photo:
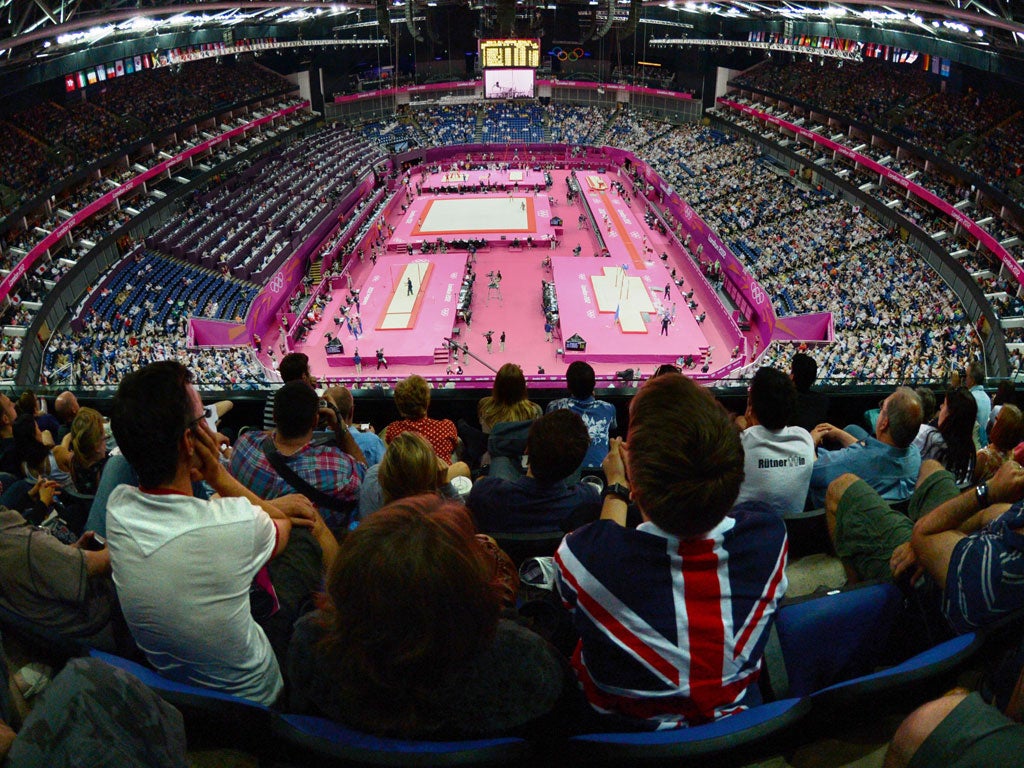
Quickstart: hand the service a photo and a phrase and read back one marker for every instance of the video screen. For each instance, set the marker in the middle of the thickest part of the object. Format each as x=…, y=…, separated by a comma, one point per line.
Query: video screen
x=509, y=83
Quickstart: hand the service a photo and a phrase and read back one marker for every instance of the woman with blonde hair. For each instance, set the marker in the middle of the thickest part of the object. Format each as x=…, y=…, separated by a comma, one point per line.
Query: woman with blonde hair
x=508, y=400
x=410, y=641
x=409, y=468
x=89, y=450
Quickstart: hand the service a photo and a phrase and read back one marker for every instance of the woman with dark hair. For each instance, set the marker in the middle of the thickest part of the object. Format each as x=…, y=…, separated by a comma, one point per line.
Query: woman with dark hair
x=951, y=442
x=410, y=642
x=508, y=400
x=39, y=459
x=1006, y=394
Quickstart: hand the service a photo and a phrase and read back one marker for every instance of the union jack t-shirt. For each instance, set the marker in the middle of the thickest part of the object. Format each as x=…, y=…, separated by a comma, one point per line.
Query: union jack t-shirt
x=672, y=630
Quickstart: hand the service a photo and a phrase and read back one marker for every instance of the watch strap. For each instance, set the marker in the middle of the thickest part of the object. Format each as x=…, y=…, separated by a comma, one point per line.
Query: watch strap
x=616, y=489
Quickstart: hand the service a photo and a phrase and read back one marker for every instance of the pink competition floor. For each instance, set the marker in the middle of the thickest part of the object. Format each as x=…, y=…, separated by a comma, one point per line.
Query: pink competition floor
x=581, y=283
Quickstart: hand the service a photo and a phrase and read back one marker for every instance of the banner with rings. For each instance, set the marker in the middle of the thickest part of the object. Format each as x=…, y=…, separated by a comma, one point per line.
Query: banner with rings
x=563, y=54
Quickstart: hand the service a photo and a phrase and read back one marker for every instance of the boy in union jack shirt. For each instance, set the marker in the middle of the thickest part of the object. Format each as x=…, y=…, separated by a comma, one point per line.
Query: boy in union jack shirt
x=673, y=615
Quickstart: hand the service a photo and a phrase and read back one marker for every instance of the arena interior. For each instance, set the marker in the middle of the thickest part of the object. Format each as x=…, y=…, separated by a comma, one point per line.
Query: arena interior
x=441, y=189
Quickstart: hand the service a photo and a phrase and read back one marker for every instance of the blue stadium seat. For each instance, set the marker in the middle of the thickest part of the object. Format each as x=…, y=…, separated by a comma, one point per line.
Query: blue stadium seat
x=825, y=640
x=243, y=714
x=729, y=734
x=832, y=646
x=328, y=739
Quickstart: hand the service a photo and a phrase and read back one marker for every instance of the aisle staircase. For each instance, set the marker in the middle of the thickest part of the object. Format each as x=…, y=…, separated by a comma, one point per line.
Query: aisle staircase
x=315, y=273
x=601, y=136
x=421, y=135
x=478, y=132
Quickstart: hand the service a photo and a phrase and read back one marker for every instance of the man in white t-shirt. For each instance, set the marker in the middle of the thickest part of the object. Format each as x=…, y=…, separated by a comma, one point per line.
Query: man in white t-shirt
x=777, y=459
x=182, y=565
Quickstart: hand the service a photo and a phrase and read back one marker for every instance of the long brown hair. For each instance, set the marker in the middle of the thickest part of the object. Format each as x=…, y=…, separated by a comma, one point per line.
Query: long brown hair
x=408, y=601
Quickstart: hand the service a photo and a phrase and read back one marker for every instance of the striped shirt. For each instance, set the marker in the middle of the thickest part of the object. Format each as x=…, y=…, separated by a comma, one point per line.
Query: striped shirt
x=985, y=580
x=672, y=630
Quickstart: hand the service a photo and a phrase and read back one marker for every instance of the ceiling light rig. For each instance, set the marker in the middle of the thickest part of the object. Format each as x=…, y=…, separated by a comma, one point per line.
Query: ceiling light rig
x=825, y=53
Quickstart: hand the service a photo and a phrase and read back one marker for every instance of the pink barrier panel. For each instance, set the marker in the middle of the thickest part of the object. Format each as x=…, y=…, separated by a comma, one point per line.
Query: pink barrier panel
x=8, y=283
x=216, y=333
x=817, y=327
x=383, y=92
x=616, y=87
x=928, y=196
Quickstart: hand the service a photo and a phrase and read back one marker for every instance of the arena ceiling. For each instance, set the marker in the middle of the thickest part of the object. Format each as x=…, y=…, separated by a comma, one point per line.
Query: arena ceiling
x=33, y=30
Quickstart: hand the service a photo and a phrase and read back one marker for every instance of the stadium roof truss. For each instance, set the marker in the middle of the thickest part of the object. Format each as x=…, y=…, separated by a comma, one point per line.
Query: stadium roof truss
x=39, y=29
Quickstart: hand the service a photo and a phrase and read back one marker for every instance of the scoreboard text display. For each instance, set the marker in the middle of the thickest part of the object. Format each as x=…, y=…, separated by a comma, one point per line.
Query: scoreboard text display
x=509, y=53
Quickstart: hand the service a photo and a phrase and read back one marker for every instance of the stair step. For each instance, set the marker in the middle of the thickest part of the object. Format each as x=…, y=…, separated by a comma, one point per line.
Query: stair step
x=441, y=355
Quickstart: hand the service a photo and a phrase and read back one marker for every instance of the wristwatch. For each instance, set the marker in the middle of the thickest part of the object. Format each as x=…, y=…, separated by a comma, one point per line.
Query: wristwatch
x=618, y=490
x=981, y=490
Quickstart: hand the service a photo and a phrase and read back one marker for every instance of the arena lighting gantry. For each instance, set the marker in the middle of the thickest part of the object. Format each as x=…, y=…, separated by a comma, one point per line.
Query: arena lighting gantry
x=34, y=25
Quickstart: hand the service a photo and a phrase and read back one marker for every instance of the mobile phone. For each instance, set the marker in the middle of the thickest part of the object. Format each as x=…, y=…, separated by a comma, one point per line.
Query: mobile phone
x=210, y=412
x=364, y=427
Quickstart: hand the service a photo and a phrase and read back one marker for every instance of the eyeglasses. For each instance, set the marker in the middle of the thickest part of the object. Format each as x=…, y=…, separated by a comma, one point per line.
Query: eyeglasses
x=193, y=425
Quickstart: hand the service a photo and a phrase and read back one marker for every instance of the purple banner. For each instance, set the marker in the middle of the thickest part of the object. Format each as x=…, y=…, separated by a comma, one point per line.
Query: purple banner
x=8, y=283
x=203, y=332
x=926, y=195
x=813, y=328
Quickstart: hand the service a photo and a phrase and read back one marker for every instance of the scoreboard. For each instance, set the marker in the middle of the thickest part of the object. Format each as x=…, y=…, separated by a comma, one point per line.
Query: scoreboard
x=507, y=53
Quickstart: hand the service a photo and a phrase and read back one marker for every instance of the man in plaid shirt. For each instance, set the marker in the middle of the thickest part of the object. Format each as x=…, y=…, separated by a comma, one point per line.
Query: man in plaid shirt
x=334, y=468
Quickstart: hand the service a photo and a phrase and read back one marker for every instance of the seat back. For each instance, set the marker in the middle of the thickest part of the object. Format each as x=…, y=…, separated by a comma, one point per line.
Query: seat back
x=240, y=712
x=328, y=739
x=726, y=736
x=825, y=640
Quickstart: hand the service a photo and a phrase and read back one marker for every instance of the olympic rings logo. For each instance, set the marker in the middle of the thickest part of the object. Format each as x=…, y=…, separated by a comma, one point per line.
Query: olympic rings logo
x=562, y=55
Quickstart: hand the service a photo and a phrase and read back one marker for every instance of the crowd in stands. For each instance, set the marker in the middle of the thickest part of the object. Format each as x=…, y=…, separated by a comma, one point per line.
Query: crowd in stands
x=46, y=142
x=139, y=314
x=51, y=268
x=893, y=319
x=448, y=123
x=257, y=217
x=507, y=122
x=572, y=124
x=631, y=130
x=396, y=612
x=384, y=133
x=985, y=268
x=976, y=128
